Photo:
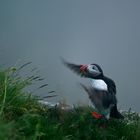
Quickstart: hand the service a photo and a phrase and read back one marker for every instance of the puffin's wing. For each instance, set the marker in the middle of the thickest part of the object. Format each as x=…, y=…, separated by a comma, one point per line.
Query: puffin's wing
x=78, y=69
x=101, y=99
x=96, y=99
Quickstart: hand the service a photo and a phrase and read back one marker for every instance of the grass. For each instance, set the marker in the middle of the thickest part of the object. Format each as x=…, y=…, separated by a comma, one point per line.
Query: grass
x=22, y=117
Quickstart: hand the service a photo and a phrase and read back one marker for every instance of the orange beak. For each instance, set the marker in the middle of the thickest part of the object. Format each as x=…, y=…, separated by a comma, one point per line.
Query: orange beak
x=83, y=68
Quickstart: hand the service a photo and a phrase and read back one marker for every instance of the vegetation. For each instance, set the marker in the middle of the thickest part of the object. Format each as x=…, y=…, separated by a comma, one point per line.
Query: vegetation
x=22, y=117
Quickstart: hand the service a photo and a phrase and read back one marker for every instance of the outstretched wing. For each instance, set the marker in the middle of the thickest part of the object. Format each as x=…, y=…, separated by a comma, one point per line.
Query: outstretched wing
x=101, y=99
x=78, y=69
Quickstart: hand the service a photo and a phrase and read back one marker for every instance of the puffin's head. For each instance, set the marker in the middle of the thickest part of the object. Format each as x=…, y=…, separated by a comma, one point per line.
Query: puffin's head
x=95, y=70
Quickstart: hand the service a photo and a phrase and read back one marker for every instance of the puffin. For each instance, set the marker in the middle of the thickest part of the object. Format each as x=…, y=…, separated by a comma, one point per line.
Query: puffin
x=101, y=91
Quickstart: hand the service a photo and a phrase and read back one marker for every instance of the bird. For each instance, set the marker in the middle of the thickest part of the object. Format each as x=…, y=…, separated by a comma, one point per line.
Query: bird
x=101, y=91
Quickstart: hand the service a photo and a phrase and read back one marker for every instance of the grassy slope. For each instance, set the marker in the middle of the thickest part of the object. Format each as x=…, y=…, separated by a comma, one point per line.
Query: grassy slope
x=22, y=117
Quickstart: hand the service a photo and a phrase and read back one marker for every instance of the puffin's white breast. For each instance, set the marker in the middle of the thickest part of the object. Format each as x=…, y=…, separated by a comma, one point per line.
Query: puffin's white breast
x=99, y=84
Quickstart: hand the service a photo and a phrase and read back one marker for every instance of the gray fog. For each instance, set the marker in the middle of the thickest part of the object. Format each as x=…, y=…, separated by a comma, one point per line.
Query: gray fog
x=82, y=32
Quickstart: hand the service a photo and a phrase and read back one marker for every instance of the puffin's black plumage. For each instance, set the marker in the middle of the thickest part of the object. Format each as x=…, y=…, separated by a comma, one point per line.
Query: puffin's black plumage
x=101, y=98
x=114, y=113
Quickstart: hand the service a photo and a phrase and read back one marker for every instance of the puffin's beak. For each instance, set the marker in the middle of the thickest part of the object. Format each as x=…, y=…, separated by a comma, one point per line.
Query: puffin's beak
x=83, y=68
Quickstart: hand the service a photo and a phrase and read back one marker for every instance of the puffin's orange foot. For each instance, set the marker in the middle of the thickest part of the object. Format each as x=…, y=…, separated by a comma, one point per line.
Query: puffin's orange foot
x=97, y=115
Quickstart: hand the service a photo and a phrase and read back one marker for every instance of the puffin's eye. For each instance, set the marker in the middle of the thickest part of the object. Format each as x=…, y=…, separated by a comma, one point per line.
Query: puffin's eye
x=94, y=67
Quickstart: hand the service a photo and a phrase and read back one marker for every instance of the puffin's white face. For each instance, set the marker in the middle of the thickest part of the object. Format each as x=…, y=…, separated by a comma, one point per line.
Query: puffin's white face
x=93, y=69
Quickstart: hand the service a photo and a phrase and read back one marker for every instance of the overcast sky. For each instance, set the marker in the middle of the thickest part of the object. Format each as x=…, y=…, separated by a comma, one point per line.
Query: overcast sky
x=81, y=31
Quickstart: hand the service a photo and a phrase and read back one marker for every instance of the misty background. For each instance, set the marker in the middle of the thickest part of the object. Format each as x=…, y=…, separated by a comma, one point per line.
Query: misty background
x=82, y=32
